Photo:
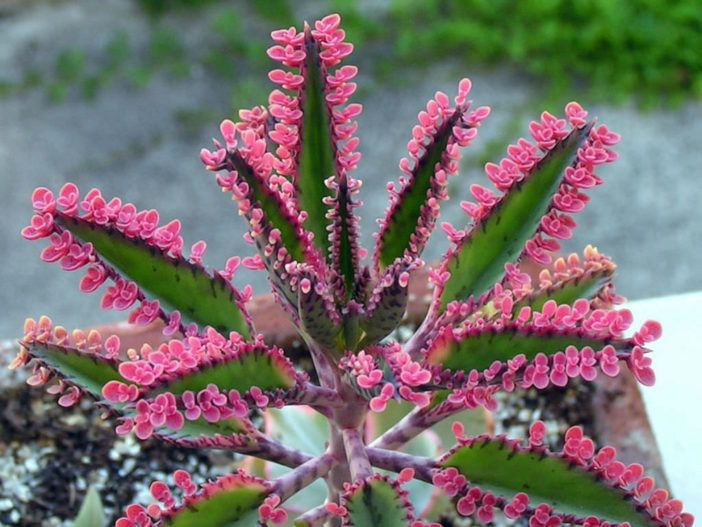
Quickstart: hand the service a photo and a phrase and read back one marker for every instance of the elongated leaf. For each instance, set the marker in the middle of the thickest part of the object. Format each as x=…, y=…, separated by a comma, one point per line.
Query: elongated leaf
x=316, y=156
x=233, y=432
x=232, y=501
x=569, y=489
x=566, y=292
x=206, y=299
x=479, y=261
x=318, y=316
x=404, y=217
x=376, y=502
x=86, y=370
x=255, y=366
x=345, y=251
x=91, y=512
x=387, y=302
x=91, y=372
x=275, y=211
x=480, y=348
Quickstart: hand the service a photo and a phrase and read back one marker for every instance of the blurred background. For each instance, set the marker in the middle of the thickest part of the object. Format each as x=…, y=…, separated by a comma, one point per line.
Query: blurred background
x=121, y=95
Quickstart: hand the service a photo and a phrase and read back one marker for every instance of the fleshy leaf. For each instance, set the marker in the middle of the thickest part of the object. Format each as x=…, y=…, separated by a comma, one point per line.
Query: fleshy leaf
x=566, y=291
x=231, y=501
x=478, y=262
x=317, y=312
x=91, y=512
x=377, y=501
x=388, y=301
x=208, y=300
x=344, y=235
x=84, y=369
x=505, y=470
x=269, y=201
x=479, y=348
x=401, y=223
x=233, y=433
x=251, y=366
x=316, y=157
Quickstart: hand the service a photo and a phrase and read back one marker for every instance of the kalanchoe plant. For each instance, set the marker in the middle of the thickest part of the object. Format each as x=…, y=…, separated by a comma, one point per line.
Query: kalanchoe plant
x=489, y=327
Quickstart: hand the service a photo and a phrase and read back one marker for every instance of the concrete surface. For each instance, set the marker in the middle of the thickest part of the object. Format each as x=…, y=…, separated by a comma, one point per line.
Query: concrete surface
x=671, y=402
x=126, y=141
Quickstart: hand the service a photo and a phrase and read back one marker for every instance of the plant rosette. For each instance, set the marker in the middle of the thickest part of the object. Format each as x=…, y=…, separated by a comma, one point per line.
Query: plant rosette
x=490, y=326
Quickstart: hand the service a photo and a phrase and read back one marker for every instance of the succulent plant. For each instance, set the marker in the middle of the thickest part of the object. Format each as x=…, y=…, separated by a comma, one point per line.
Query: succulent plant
x=214, y=382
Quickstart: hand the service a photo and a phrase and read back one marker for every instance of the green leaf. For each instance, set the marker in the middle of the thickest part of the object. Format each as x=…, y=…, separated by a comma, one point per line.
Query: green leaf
x=86, y=370
x=200, y=432
x=404, y=216
x=183, y=285
x=231, y=502
x=316, y=319
x=499, y=238
x=91, y=372
x=346, y=261
x=376, y=502
x=274, y=209
x=388, y=306
x=566, y=292
x=316, y=160
x=256, y=366
x=91, y=513
x=569, y=489
x=480, y=348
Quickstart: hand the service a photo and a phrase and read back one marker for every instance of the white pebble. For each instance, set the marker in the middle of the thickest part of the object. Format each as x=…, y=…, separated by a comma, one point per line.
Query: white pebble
x=524, y=415
x=129, y=465
x=31, y=465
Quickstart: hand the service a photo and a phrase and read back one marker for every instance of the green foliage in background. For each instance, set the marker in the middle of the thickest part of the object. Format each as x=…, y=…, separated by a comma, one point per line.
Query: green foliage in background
x=611, y=49
x=604, y=50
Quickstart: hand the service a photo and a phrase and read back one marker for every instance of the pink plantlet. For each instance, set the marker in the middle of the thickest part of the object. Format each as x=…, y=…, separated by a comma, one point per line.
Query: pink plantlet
x=515, y=508
x=270, y=510
x=536, y=433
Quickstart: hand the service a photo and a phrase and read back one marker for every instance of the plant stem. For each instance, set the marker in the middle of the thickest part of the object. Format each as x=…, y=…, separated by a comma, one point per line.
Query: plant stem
x=411, y=425
x=356, y=454
x=321, y=364
x=271, y=450
x=316, y=396
x=396, y=461
x=298, y=478
x=314, y=517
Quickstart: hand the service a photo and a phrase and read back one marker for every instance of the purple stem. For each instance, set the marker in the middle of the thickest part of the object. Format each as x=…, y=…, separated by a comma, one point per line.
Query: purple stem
x=356, y=454
x=411, y=425
x=316, y=396
x=313, y=518
x=271, y=450
x=298, y=478
x=417, y=341
x=396, y=461
x=321, y=364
